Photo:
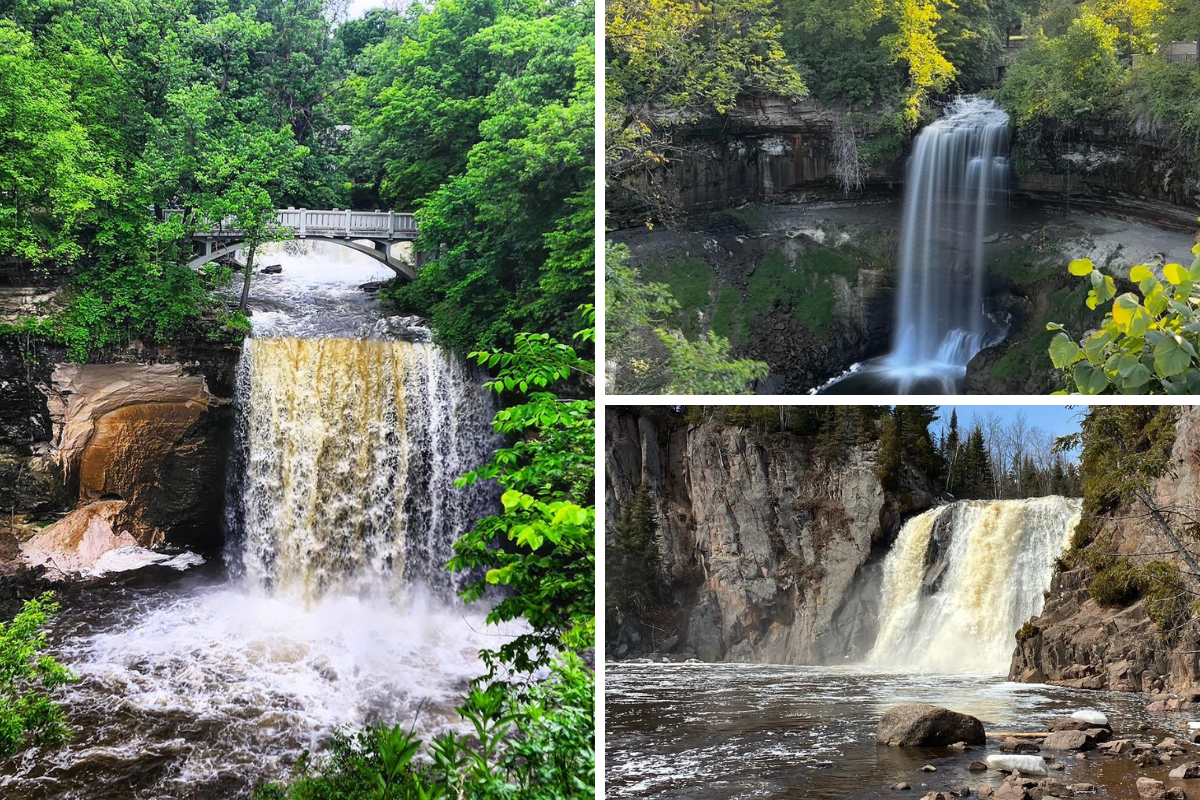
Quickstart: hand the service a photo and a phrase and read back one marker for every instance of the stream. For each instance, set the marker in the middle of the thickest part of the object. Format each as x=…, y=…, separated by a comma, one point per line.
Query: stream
x=330, y=607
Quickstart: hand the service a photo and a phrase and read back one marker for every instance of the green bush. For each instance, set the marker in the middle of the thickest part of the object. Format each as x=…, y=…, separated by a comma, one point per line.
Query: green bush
x=1118, y=584
x=536, y=743
x=1165, y=598
x=1145, y=345
x=28, y=715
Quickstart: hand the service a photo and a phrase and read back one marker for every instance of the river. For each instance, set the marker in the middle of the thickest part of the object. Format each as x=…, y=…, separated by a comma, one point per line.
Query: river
x=329, y=607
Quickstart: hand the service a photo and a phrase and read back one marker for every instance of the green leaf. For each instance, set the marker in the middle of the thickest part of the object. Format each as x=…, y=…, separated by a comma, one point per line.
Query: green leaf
x=1175, y=273
x=1063, y=351
x=1170, y=357
x=1081, y=267
x=1089, y=379
x=1140, y=273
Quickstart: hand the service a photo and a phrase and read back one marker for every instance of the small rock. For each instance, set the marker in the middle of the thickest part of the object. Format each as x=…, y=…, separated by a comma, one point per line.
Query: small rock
x=1015, y=745
x=1175, y=793
x=929, y=768
x=977, y=766
x=1151, y=789
x=824, y=764
x=1057, y=767
x=901, y=787
x=984, y=791
x=272, y=269
x=1083, y=787
x=959, y=746
x=961, y=791
x=1184, y=771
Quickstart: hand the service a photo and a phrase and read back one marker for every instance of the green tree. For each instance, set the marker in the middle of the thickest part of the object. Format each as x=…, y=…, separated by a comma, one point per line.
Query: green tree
x=28, y=714
x=548, y=477
x=631, y=559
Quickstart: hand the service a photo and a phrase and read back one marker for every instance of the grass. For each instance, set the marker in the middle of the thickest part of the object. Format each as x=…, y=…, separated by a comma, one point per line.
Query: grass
x=691, y=280
x=725, y=321
x=1025, y=266
x=751, y=216
x=804, y=287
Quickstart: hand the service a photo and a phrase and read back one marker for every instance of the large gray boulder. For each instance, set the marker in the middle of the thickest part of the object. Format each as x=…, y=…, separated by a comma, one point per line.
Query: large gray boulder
x=922, y=725
x=1069, y=740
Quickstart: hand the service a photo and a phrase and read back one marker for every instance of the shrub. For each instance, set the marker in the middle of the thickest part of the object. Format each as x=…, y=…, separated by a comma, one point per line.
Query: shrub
x=1146, y=345
x=1118, y=584
x=27, y=676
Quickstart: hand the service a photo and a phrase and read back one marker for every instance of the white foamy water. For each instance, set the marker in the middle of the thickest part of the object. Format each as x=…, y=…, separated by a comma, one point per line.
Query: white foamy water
x=340, y=612
x=962, y=578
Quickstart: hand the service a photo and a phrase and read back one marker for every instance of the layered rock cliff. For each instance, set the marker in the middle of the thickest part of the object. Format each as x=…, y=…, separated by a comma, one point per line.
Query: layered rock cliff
x=138, y=444
x=761, y=543
x=1079, y=642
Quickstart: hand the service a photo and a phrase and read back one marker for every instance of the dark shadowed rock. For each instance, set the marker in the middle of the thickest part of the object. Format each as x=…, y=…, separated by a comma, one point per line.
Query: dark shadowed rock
x=922, y=725
x=1015, y=745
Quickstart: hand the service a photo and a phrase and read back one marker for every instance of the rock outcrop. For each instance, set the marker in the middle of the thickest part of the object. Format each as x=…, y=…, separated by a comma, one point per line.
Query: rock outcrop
x=152, y=430
x=760, y=543
x=922, y=725
x=1079, y=643
x=75, y=544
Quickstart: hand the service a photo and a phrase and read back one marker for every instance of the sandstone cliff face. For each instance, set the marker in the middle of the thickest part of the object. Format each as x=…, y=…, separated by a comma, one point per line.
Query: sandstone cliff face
x=1077, y=642
x=151, y=432
x=760, y=543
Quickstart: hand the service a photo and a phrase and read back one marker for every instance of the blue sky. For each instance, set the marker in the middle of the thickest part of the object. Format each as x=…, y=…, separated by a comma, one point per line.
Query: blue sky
x=1058, y=420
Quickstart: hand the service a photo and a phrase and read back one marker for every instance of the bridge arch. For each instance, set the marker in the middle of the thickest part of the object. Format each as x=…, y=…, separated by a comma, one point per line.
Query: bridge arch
x=380, y=251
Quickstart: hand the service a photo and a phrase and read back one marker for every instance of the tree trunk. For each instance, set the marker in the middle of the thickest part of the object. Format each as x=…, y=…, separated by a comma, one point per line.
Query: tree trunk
x=249, y=271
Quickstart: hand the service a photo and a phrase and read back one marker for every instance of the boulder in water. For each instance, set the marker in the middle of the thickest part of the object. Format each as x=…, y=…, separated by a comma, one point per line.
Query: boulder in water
x=1185, y=771
x=1151, y=789
x=1069, y=740
x=1015, y=745
x=923, y=725
x=1029, y=765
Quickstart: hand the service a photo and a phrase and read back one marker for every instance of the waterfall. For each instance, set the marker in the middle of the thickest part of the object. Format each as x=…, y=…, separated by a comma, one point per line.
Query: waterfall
x=957, y=178
x=956, y=186
x=347, y=451
x=962, y=578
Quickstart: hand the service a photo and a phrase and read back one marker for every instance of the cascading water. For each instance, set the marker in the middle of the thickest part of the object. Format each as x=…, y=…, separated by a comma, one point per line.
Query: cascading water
x=962, y=578
x=337, y=610
x=349, y=453
x=957, y=183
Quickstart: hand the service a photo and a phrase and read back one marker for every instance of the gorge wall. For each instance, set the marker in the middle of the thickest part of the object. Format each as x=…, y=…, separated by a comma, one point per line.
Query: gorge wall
x=761, y=543
x=1079, y=642
x=129, y=450
x=766, y=148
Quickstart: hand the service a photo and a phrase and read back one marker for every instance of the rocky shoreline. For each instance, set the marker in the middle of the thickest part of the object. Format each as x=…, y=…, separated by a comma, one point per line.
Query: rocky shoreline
x=1027, y=759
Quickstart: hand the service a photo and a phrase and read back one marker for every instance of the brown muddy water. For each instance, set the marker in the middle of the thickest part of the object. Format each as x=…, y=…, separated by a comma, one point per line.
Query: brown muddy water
x=738, y=731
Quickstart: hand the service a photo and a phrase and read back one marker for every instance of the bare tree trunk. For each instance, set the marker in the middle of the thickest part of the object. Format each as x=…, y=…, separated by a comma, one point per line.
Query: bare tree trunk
x=249, y=271
x=1144, y=496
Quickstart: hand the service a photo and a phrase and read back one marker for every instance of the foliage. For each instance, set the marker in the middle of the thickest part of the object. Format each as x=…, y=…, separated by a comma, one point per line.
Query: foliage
x=1064, y=79
x=646, y=358
x=548, y=475
x=670, y=61
x=481, y=113
x=536, y=744
x=1118, y=584
x=631, y=558
x=1145, y=345
x=27, y=677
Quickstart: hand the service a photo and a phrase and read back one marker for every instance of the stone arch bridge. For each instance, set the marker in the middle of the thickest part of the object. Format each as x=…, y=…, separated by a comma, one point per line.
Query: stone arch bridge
x=369, y=232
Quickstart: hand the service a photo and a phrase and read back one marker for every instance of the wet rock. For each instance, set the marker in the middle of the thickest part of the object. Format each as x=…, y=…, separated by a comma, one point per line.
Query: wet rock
x=1057, y=767
x=1099, y=734
x=922, y=725
x=1083, y=788
x=937, y=796
x=1116, y=747
x=1069, y=740
x=74, y=544
x=1151, y=789
x=961, y=791
x=1052, y=787
x=960, y=746
x=1068, y=724
x=977, y=766
x=1175, y=793
x=901, y=787
x=1014, y=745
x=985, y=791
x=929, y=768
x=272, y=269
x=1184, y=771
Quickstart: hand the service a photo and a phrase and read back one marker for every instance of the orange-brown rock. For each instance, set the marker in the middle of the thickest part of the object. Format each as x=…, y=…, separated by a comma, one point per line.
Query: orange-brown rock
x=78, y=540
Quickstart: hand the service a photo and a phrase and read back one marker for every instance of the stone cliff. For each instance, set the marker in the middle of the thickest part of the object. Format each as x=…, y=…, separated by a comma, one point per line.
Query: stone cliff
x=145, y=434
x=760, y=543
x=1079, y=642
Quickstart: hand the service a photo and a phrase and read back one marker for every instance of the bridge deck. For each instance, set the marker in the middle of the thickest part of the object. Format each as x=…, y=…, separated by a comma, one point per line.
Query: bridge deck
x=335, y=223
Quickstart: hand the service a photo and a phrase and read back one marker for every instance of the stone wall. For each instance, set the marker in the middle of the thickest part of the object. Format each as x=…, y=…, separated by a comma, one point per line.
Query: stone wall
x=1077, y=642
x=761, y=544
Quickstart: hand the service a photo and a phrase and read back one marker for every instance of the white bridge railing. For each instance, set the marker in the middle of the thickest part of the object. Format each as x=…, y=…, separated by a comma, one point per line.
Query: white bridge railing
x=337, y=223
